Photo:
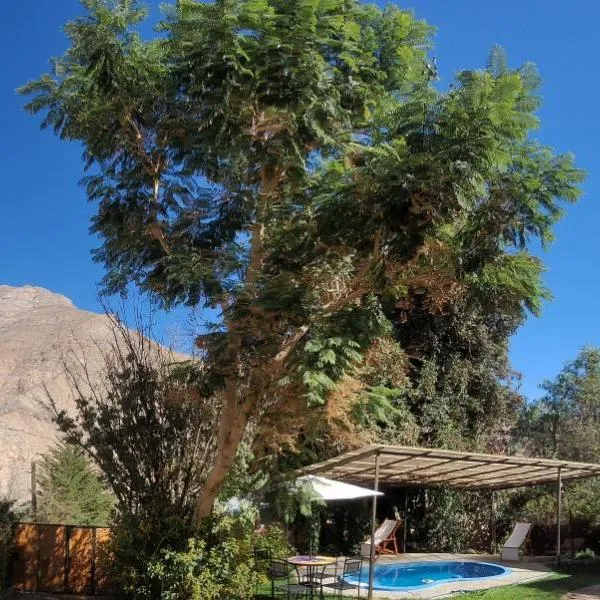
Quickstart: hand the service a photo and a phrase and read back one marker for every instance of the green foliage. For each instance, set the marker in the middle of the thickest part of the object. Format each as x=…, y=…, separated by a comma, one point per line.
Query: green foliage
x=293, y=500
x=580, y=503
x=7, y=520
x=70, y=490
x=218, y=565
x=384, y=412
x=274, y=540
x=565, y=422
x=346, y=526
x=328, y=361
x=586, y=554
x=345, y=199
x=449, y=520
x=244, y=479
x=149, y=432
x=296, y=75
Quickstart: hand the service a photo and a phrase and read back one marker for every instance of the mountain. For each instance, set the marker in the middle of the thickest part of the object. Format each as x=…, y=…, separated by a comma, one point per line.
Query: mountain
x=40, y=332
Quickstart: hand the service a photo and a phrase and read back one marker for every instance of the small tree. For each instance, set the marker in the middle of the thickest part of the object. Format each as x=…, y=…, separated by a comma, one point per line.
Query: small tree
x=70, y=490
x=151, y=432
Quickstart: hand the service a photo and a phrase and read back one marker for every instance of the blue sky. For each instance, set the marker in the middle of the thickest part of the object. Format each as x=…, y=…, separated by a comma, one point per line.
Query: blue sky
x=45, y=240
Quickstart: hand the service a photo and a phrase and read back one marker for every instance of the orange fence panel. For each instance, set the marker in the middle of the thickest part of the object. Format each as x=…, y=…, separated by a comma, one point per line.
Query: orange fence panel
x=52, y=558
x=81, y=558
x=25, y=566
x=102, y=560
x=60, y=558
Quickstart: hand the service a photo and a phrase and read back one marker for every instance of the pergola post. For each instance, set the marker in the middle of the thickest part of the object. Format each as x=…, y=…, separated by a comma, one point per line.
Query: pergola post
x=373, y=529
x=493, y=522
x=405, y=524
x=558, y=513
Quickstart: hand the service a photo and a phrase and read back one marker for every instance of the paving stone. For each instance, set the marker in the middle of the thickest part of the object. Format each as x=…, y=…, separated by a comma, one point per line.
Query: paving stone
x=588, y=593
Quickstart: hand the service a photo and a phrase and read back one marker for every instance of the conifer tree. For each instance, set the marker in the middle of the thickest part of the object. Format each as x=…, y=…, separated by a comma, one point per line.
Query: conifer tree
x=290, y=163
x=70, y=491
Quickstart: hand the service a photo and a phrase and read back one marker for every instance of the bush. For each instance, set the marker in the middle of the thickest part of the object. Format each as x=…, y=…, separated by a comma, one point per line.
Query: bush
x=273, y=539
x=224, y=572
x=6, y=552
x=449, y=520
x=7, y=521
x=344, y=528
x=216, y=564
x=134, y=544
x=586, y=554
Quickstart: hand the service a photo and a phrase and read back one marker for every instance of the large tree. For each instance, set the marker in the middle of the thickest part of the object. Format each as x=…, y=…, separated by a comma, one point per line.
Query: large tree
x=290, y=163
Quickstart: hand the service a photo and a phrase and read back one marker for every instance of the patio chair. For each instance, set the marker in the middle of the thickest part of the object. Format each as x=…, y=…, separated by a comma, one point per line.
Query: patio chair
x=384, y=537
x=328, y=572
x=262, y=558
x=512, y=547
x=339, y=585
x=282, y=585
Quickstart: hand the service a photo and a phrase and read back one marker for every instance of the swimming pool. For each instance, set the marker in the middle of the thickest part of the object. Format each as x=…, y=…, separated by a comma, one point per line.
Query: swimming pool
x=421, y=575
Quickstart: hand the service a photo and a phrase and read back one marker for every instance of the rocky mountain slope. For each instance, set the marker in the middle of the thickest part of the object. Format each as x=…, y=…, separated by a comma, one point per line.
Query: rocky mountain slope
x=39, y=332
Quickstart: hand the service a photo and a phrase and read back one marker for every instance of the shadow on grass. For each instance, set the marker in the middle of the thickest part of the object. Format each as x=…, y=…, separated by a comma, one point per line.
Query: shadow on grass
x=551, y=588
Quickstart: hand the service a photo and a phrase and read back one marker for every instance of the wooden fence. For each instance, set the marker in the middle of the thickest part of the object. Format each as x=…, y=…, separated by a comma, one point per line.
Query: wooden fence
x=59, y=558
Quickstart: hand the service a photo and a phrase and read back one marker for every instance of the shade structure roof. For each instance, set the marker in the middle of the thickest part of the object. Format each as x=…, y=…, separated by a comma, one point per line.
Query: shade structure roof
x=407, y=466
x=329, y=489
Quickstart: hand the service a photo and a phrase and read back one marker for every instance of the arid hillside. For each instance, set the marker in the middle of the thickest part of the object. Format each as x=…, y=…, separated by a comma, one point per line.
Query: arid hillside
x=39, y=331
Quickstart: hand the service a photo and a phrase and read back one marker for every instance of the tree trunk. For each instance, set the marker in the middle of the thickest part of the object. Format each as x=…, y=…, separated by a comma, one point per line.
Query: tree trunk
x=231, y=435
x=236, y=412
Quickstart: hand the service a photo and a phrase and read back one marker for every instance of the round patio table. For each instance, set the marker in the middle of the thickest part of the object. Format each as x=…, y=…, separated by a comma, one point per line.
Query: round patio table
x=311, y=563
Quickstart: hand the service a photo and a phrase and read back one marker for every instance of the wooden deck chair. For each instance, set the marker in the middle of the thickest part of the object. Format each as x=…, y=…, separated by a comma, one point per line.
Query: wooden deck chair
x=385, y=536
x=512, y=547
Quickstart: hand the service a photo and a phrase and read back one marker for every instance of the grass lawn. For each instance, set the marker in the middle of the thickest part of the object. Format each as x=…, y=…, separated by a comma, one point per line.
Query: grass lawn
x=551, y=588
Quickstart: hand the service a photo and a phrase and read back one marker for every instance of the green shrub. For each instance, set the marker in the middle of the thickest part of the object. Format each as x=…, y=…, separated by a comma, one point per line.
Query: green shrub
x=134, y=544
x=586, y=554
x=274, y=540
x=224, y=572
x=7, y=521
x=216, y=564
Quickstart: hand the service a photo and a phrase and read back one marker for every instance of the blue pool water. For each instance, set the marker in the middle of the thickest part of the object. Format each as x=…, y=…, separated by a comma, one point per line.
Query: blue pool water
x=420, y=575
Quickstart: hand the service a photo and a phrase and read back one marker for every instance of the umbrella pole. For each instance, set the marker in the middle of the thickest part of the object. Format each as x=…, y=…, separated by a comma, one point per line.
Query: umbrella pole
x=311, y=532
x=373, y=523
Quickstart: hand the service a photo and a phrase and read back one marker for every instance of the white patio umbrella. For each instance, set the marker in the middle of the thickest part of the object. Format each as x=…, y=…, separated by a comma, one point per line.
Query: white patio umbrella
x=329, y=489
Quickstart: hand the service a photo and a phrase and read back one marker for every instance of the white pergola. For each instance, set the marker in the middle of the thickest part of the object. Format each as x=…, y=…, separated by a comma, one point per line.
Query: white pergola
x=403, y=466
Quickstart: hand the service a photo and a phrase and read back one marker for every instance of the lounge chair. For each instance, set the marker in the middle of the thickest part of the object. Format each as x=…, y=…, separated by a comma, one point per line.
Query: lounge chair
x=512, y=546
x=384, y=537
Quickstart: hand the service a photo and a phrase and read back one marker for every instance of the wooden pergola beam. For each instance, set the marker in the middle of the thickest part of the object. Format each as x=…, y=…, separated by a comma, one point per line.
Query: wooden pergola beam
x=547, y=481
x=453, y=470
x=496, y=473
x=461, y=470
x=382, y=466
